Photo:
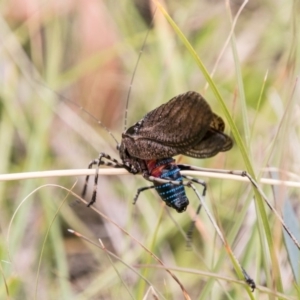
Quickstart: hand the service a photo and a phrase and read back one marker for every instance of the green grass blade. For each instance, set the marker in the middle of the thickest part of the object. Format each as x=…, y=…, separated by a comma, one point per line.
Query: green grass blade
x=261, y=212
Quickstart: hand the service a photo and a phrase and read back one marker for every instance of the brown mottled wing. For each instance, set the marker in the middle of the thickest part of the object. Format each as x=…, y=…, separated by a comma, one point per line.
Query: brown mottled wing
x=213, y=142
x=171, y=128
x=179, y=122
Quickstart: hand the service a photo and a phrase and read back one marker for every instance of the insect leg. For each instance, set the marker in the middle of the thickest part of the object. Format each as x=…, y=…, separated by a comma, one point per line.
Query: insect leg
x=254, y=184
x=192, y=227
x=203, y=183
x=160, y=180
x=141, y=190
x=199, y=181
x=188, y=183
x=171, y=188
x=111, y=163
x=247, y=278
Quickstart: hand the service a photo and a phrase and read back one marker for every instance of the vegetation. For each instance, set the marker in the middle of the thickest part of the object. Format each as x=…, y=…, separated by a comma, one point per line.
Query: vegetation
x=86, y=52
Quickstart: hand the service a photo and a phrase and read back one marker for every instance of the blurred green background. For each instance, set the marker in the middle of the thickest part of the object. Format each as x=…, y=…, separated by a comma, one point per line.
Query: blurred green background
x=87, y=51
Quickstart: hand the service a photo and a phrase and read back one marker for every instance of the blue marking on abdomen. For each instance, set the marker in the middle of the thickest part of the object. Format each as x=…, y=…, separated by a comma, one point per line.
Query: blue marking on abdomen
x=170, y=192
x=170, y=173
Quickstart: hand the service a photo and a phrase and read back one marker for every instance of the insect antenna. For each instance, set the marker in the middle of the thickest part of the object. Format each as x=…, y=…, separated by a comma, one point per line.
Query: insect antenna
x=82, y=109
x=111, y=162
x=135, y=69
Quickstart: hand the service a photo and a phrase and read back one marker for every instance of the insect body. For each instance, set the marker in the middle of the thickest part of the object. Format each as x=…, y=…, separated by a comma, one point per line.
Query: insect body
x=173, y=195
x=184, y=125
